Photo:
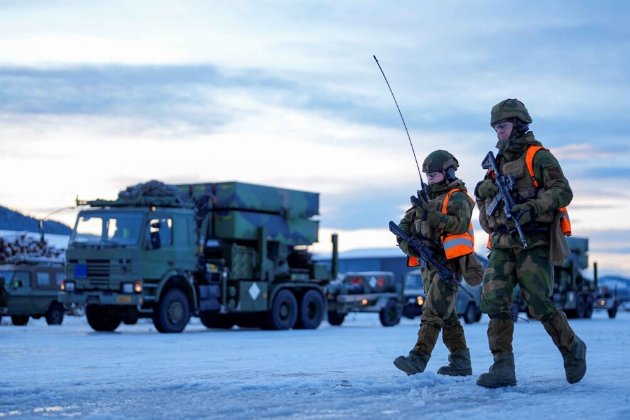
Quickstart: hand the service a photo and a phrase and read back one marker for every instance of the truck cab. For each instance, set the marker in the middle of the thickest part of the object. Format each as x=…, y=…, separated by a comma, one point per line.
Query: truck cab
x=120, y=260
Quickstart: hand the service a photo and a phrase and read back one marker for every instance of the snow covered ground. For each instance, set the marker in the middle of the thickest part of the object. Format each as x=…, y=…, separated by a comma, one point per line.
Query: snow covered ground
x=331, y=372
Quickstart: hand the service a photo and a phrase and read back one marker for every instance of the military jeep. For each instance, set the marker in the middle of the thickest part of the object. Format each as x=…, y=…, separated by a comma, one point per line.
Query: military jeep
x=29, y=288
x=366, y=291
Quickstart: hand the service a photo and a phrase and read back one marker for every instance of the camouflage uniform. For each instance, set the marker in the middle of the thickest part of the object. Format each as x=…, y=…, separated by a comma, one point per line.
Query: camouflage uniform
x=510, y=263
x=438, y=312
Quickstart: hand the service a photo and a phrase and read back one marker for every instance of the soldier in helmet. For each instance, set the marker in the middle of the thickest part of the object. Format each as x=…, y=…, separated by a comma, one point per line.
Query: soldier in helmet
x=541, y=194
x=443, y=224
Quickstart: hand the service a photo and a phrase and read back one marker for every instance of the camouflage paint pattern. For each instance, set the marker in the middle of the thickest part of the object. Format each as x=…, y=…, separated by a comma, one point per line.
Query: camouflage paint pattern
x=243, y=225
x=531, y=269
x=291, y=204
x=240, y=209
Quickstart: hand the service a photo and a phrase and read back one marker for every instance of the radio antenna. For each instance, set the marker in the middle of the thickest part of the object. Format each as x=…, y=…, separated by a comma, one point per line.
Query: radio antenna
x=403, y=121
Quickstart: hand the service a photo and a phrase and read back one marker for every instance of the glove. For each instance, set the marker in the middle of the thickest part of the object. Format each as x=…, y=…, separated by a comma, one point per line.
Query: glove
x=486, y=189
x=404, y=246
x=525, y=212
x=420, y=201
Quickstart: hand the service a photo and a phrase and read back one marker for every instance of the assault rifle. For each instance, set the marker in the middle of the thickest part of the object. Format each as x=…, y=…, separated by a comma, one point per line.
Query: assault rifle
x=506, y=185
x=446, y=275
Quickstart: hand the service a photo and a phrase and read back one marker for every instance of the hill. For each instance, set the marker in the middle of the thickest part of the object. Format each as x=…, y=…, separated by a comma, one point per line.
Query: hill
x=16, y=221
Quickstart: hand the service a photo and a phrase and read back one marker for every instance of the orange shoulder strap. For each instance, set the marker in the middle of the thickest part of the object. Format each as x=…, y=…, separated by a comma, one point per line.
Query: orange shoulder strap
x=448, y=197
x=529, y=162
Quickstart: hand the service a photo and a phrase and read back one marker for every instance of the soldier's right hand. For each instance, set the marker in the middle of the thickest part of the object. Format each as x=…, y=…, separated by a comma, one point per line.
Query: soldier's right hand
x=486, y=189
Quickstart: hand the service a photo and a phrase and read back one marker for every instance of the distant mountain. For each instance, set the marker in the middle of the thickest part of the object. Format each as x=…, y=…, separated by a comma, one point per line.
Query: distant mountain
x=614, y=279
x=13, y=220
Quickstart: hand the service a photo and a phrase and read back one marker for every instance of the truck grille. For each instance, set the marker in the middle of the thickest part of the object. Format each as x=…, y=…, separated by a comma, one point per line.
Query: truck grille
x=98, y=271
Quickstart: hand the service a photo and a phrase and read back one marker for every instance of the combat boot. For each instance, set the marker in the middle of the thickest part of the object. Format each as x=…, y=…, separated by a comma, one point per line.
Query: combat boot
x=412, y=363
x=459, y=364
x=571, y=347
x=501, y=372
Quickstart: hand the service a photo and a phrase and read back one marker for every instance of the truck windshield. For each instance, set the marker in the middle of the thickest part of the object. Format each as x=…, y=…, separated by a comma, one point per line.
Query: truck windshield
x=107, y=228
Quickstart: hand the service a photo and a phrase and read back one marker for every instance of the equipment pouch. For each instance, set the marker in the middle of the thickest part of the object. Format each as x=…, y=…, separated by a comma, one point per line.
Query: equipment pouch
x=471, y=269
x=559, y=249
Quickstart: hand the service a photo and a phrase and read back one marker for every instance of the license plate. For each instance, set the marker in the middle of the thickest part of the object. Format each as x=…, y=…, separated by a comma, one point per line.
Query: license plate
x=123, y=299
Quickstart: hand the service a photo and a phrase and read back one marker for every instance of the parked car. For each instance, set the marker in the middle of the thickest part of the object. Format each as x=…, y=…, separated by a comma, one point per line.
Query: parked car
x=366, y=291
x=29, y=288
x=468, y=299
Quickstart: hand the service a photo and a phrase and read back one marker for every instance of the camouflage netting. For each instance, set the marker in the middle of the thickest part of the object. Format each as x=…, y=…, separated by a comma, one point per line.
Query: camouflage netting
x=148, y=189
x=22, y=245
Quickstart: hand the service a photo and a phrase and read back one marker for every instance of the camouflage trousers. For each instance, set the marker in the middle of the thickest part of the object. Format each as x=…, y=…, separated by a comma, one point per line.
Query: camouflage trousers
x=531, y=269
x=439, y=314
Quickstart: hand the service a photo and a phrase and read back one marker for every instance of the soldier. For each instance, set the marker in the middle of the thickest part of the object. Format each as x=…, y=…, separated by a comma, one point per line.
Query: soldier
x=541, y=191
x=443, y=224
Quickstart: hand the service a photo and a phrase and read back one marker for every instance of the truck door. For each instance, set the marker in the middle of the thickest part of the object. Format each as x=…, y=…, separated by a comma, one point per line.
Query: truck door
x=161, y=255
x=44, y=292
x=20, y=291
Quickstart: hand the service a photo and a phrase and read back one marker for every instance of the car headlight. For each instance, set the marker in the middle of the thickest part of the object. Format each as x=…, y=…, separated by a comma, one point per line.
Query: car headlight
x=420, y=300
x=68, y=286
x=137, y=286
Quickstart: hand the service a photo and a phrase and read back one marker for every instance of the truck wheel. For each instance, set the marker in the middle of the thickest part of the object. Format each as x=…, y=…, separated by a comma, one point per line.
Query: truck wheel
x=100, y=319
x=19, y=320
x=612, y=312
x=335, y=318
x=172, y=312
x=311, y=310
x=283, y=313
x=390, y=314
x=216, y=320
x=470, y=314
x=54, y=315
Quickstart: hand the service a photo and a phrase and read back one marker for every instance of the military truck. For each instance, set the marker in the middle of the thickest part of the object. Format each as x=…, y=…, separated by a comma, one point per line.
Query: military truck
x=29, y=287
x=572, y=292
x=613, y=293
x=231, y=253
x=366, y=291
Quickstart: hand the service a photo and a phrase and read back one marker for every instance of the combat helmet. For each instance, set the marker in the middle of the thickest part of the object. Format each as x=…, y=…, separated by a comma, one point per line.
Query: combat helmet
x=509, y=108
x=440, y=161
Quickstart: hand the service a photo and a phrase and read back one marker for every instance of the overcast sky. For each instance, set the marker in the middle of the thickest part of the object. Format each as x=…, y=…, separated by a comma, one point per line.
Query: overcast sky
x=95, y=96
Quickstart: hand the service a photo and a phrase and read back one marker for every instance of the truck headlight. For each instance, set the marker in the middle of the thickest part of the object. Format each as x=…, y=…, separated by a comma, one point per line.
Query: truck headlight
x=68, y=286
x=127, y=287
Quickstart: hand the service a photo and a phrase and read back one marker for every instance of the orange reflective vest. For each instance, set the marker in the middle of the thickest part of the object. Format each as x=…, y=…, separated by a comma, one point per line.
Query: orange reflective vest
x=455, y=245
x=565, y=221
x=458, y=245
